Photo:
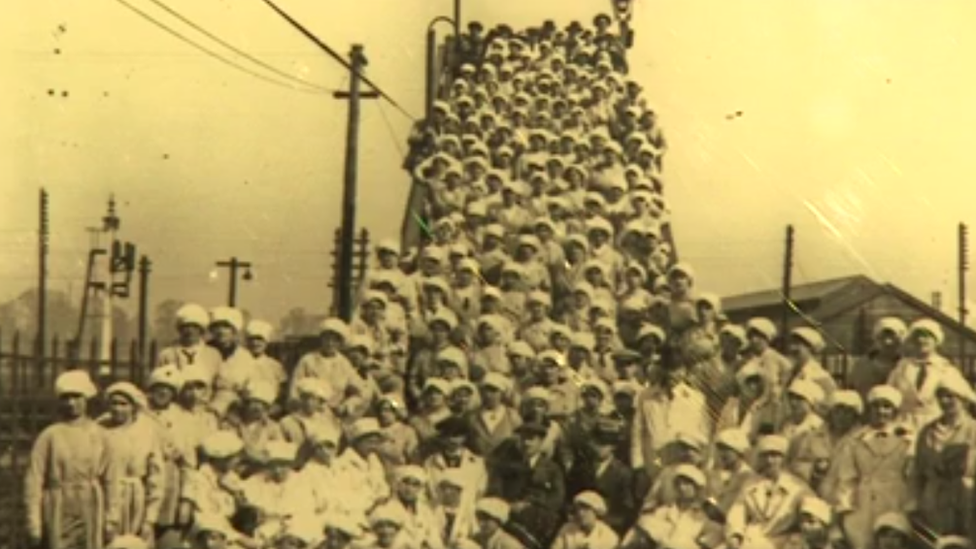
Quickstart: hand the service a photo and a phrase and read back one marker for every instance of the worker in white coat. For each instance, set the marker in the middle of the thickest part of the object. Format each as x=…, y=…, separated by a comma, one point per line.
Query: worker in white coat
x=870, y=468
x=918, y=375
x=768, y=506
x=238, y=367
x=192, y=321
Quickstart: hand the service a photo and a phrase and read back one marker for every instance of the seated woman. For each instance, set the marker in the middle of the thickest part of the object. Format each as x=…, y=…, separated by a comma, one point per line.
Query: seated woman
x=586, y=529
x=275, y=492
x=681, y=524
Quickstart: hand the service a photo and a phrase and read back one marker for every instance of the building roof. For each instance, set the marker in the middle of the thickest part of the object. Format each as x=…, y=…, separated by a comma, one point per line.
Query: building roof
x=800, y=294
x=826, y=299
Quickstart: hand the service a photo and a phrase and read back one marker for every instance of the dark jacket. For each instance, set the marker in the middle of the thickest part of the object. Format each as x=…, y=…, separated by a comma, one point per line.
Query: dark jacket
x=615, y=483
x=541, y=487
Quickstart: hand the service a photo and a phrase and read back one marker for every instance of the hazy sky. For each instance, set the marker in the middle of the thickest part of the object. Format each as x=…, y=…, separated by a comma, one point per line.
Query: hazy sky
x=855, y=127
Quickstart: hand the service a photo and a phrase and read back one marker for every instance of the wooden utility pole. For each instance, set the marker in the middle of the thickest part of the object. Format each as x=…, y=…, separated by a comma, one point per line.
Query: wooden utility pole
x=963, y=267
x=42, y=249
x=787, y=282
x=347, y=250
x=144, y=269
x=234, y=265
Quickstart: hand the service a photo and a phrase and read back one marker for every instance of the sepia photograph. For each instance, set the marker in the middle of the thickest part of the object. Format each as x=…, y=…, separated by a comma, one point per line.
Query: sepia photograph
x=487, y=274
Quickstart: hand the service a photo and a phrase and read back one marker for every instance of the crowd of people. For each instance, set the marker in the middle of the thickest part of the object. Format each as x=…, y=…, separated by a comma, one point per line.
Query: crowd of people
x=540, y=374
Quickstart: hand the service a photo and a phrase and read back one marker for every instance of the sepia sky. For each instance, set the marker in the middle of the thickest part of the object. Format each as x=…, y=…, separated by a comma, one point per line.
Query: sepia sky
x=855, y=126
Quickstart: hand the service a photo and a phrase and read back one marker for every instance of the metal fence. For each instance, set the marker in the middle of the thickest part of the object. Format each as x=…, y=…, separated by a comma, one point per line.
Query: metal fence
x=28, y=405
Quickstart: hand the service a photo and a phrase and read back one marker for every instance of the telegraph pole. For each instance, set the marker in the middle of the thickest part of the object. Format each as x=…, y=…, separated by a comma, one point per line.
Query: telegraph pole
x=963, y=267
x=42, y=247
x=347, y=250
x=787, y=281
x=144, y=269
x=234, y=265
x=110, y=226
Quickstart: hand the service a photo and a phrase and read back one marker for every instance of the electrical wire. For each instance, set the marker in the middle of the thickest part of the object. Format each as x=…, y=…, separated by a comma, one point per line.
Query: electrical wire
x=336, y=56
x=237, y=50
x=389, y=128
x=210, y=53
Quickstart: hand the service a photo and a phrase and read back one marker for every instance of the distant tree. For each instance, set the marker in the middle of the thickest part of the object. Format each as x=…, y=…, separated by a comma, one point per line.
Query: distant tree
x=164, y=321
x=20, y=314
x=296, y=323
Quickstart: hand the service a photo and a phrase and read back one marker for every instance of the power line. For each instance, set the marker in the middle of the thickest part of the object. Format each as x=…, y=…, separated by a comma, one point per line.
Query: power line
x=210, y=53
x=336, y=56
x=235, y=49
x=389, y=128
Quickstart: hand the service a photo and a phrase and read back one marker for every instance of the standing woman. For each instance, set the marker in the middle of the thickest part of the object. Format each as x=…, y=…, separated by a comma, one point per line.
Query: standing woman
x=71, y=485
x=945, y=459
x=870, y=469
x=137, y=450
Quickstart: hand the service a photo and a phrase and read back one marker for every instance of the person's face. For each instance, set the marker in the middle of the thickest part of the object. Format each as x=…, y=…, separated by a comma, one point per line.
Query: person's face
x=223, y=334
x=486, y=525
x=212, y=540
x=465, y=278
x=948, y=402
x=706, y=312
x=461, y=399
x=604, y=337
x=257, y=345
x=888, y=538
x=386, y=533
x=598, y=238
x=689, y=454
x=388, y=259
x=194, y=392
x=121, y=408
x=368, y=445
x=727, y=457
x=531, y=444
x=578, y=355
x=753, y=387
x=623, y=403
x=551, y=370
x=358, y=357
x=537, y=310
x=843, y=418
x=190, y=334
x=255, y=409
x=882, y=412
x=772, y=463
x=439, y=333
x=434, y=398
x=373, y=311
x=489, y=335
x=799, y=406
x=595, y=278
x=812, y=529
x=585, y=516
x=278, y=471
x=409, y=489
x=680, y=283
x=924, y=343
x=73, y=406
x=491, y=397
x=582, y=300
x=311, y=404
x=449, y=370
x=757, y=341
x=592, y=399
x=324, y=452
x=336, y=539
x=888, y=341
x=731, y=346
x=686, y=489
x=331, y=343
x=161, y=396
x=386, y=414
x=799, y=351
x=449, y=495
x=430, y=267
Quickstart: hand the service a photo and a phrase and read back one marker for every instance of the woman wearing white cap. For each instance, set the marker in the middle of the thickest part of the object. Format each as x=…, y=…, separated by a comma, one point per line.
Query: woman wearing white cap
x=535, y=330
x=328, y=363
x=768, y=506
x=215, y=488
x=71, y=489
x=492, y=515
x=253, y=423
x=874, y=369
x=277, y=490
x=777, y=368
x=136, y=447
x=400, y=441
x=312, y=411
x=812, y=455
x=681, y=524
x=192, y=321
x=919, y=374
x=804, y=398
x=816, y=519
x=729, y=469
x=237, y=367
x=179, y=452
x=493, y=332
x=804, y=347
x=868, y=471
x=370, y=321
x=420, y=527
x=943, y=469
x=585, y=528
x=258, y=334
